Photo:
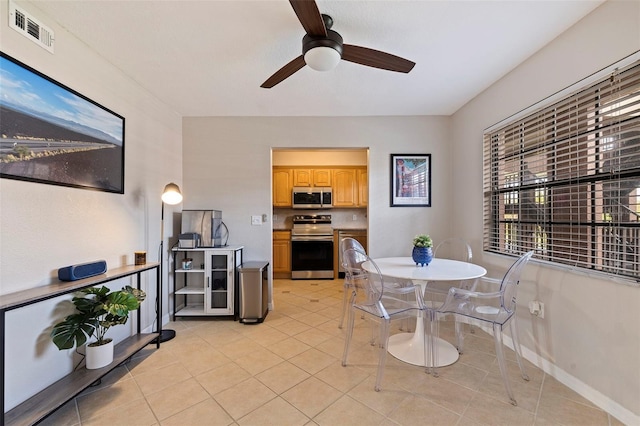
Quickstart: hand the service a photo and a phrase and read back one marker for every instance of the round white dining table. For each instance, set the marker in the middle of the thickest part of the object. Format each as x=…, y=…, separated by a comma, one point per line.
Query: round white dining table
x=409, y=347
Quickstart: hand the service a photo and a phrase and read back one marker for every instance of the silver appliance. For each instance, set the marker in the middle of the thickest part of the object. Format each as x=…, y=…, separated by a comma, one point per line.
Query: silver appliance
x=312, y=247
x=318, y=197
x=206, y=223
x=189, y=240
x=253, y=292
x=359, y=235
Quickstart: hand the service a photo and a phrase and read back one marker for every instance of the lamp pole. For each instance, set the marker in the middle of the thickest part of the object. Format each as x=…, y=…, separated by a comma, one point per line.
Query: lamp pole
x=171, y=195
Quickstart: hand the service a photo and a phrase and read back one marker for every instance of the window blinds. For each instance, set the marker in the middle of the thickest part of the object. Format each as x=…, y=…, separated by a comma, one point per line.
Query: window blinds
x=565, y=179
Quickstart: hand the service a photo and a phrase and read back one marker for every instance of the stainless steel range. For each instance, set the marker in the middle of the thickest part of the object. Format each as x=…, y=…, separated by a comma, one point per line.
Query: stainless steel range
x=312, y=247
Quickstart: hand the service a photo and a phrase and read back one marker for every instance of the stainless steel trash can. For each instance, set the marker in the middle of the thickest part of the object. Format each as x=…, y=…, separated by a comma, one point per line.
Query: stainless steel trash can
x=253, y=291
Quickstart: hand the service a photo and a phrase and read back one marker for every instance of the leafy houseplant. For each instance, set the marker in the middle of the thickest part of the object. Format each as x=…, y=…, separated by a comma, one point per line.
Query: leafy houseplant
x=96, y=311
x=422, y=240
x=422, y=253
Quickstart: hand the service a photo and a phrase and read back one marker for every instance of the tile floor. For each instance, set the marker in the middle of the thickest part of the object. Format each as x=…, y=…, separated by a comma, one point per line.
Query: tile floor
x=287, y=371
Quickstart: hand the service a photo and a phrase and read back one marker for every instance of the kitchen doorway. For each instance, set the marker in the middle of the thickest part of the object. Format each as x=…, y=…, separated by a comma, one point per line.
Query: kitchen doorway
x=344, y=170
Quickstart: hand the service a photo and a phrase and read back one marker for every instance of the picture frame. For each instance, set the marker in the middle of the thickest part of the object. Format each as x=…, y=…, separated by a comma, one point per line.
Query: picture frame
x=51, y=134
x=410, y=180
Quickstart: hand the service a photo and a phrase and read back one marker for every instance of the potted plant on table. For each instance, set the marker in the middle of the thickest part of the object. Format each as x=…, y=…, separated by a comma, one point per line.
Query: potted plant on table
x=97, y=310
x=422, y=249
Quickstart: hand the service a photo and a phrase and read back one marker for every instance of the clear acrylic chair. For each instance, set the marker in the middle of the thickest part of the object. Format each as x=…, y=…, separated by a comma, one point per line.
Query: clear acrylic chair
x=346, y=244
x=495, y=309
x=370, y=299
x=435, y=292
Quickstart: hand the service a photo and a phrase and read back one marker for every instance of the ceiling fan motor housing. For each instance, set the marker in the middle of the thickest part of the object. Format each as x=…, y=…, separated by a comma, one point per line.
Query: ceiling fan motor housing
x=332, y=40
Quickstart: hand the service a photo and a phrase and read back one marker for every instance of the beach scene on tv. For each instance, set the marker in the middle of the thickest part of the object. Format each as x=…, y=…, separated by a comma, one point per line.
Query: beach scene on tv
x=51, y=134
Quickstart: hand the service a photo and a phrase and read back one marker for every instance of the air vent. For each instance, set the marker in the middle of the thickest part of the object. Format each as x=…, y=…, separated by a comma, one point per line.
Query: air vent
x=30, y=27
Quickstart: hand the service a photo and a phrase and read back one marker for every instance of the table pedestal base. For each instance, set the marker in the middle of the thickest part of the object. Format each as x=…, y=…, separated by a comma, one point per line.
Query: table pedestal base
x=409, y=347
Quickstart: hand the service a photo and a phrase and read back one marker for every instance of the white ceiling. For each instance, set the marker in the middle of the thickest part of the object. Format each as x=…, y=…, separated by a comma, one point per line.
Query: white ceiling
x=209, y=57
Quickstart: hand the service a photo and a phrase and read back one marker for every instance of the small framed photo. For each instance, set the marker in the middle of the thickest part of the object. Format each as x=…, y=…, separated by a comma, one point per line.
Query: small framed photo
x=410, y=180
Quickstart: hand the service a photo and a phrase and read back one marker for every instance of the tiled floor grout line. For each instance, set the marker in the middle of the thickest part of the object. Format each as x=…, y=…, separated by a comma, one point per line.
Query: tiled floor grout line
x=468, y=392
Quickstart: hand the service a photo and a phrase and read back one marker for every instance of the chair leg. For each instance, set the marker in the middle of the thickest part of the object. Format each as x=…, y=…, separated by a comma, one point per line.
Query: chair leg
x=372, y=341
x=459, y=336
x=345, y=302
x=347, y=339
x=384, y=337
x=516, y=346
x=497, y=336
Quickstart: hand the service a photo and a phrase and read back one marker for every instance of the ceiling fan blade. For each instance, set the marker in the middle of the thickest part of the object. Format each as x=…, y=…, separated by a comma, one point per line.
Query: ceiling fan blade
x=309, y=16
x=375, y=58
x=284, y=72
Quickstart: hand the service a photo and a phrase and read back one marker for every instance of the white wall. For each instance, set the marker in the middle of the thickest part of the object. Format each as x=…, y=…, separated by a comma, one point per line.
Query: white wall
x=589, y=335
x=45, y=227
x=227, y=166
x=590, y=330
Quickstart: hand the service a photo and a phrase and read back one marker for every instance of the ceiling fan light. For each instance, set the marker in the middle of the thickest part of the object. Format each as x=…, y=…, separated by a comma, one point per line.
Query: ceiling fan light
x=322, y=58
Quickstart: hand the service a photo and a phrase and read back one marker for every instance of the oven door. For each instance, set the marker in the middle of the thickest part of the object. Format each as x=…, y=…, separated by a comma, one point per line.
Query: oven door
x=311, y=257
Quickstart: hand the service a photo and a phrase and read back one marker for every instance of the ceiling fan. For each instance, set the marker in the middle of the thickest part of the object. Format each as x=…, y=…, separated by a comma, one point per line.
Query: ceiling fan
x=322, y=48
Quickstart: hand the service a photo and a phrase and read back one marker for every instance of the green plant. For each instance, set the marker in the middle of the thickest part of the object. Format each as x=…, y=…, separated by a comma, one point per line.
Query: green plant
x=422, y=240
x=96, y=311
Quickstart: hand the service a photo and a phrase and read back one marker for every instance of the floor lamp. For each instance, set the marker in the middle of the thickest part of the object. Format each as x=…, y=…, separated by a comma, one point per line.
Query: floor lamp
x=171, y=195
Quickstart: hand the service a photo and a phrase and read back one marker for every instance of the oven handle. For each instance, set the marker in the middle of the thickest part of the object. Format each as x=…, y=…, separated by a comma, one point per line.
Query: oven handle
x=312, y=238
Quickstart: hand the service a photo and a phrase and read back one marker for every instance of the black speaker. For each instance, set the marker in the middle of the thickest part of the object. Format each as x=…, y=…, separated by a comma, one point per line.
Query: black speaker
x=83, y=270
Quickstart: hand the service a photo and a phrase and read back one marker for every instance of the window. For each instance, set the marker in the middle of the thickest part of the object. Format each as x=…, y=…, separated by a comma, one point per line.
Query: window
x=565, y=179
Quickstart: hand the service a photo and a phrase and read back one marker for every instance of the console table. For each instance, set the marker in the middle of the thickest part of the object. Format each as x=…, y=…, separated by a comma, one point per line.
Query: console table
x=45, y=402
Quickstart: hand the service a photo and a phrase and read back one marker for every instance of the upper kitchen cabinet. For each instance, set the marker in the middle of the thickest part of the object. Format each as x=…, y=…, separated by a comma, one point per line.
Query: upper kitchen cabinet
x=363, y=187
x=349, y=184
x=311, y=177
x=282, y=186
x=345, y=187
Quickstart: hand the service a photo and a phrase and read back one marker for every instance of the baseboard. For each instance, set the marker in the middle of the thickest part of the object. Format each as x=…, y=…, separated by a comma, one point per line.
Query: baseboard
x=595, y=397
x=598, y=399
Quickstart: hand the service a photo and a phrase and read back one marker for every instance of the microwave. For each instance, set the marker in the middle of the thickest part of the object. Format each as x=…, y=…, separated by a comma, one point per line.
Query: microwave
x=311, y=197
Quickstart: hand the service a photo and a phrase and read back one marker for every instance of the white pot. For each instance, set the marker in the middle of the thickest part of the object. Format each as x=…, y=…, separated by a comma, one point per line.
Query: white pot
x=99, y=356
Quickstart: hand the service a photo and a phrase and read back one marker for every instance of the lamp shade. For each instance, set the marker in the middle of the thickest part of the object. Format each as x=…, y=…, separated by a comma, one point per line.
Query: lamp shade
x=322, y=58
x=171, y=194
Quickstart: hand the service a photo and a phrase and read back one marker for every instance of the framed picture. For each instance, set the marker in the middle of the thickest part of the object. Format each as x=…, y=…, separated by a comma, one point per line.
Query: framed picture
x=51, y=134
x=411, y=180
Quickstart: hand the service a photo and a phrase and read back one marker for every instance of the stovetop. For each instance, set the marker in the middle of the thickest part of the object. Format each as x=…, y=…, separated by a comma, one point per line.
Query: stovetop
x=312, y=218
x=313, y=224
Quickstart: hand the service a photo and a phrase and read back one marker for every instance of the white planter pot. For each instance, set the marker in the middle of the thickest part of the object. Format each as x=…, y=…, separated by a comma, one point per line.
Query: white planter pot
x=99, y=356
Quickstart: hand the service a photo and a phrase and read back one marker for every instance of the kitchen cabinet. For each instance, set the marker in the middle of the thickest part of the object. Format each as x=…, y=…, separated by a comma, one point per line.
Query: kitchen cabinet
x=302, y=177
x=349, y=184
x=282, y=186
x=311, y=177
x=205, y=281
x=322, y=177
x=345, y=187
x=282, y=254
x=363, y=187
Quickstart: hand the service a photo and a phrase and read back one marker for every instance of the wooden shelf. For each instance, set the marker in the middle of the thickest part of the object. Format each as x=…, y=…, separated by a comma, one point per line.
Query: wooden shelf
x=45, y=402
x=55, y=396
x=58, y=288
